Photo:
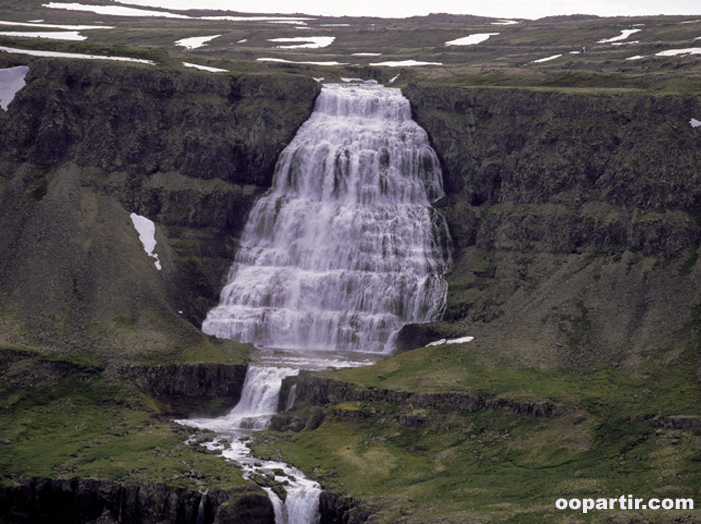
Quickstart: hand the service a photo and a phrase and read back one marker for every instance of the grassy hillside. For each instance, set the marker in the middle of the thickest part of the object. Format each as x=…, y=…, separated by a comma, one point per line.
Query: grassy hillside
x=572, y=201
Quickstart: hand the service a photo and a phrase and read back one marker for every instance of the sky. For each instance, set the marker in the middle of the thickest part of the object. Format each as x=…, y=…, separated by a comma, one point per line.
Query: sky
x=403, y=8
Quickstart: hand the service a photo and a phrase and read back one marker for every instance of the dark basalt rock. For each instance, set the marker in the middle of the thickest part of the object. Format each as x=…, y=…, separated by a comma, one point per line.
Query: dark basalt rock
x=79, y=501
x=192, y=389
x=317, y=390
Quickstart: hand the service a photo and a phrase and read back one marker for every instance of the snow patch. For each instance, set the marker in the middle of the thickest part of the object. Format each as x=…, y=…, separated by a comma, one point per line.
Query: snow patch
x=52, y=35
x=636, y=57
x=505, y=22
x=113, y=10
x=391, y=80
x=471, y=39
x=195, y=41
x=307, y=42
x=57, y=54
x=406, y=63
x=35, y=23
x=694, y=123
x=318, y=80
x=284, y=19
x=11, y=81
x=546, y=59
x=677, y=52
x=242, y=41
x=344, y=79
x=366, y=54
x=205, y=68
x=147, y=234
x=117, y=10
x=690, y=22
x=280, y=60
x=625, y=33
x=445, y=341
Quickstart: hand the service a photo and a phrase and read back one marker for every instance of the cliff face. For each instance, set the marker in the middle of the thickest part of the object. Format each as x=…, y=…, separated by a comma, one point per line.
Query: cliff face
x=82, y=146
x=90, y=500
x=575, y=217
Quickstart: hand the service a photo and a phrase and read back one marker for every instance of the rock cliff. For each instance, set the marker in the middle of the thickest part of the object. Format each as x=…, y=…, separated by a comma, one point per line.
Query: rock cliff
x=85, y=144
x=575, y=218
x=90, y=500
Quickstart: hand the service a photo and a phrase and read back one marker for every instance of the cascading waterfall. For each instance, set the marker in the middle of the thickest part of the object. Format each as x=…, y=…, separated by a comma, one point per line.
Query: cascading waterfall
x=345, y=248
x=253, y=412
x=339, y=255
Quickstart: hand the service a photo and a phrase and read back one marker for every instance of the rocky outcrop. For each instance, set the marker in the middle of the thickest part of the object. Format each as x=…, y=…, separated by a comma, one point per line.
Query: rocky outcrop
x=192, y=389
x=42, y=500
x=141, y=120
x=527, y=146
x=86, y=143
x=574, y=214
x=318, y=390
x=335, y=508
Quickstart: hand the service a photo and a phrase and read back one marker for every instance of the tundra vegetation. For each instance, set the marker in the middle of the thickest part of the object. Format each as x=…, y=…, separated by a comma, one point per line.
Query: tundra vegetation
x=573, y=201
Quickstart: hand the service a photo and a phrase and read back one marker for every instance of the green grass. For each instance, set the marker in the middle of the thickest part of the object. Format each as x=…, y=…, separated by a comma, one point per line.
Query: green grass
x=610, y=441
x=72, y=421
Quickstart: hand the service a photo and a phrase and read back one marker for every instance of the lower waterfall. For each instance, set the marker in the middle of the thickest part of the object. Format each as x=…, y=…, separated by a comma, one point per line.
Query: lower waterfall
x=342, y=252
x=253, y=412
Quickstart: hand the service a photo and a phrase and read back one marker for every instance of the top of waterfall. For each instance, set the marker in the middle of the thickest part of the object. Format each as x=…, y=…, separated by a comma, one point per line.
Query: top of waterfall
x=372, y=101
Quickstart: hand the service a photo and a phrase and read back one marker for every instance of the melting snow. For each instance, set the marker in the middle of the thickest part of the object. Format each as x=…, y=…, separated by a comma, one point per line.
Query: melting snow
x=366, y=54
x=56, y=54
x=283, y=19
x=195, y=41
x=344, y=79
x=54, y=35
x=676, y=52
x=242, y=41
x=471, y=39
x=205, y=68
x=632, y=42
x=505, y=22
x=115, y=10
x=318, y=80
x=292, y=62
x=312, y=42
x=694, y=123
x=636, y=57
x=147, y=234
x=450, y=341
x=55, y=26
x=391, y=80
x=405, y=63
x=11, y=81
x=625, y=33
x=546, y=59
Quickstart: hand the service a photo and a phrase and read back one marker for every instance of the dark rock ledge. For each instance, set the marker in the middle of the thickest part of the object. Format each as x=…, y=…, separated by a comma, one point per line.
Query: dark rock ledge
x=191, y=389
x=318, y=390
x=89, y=501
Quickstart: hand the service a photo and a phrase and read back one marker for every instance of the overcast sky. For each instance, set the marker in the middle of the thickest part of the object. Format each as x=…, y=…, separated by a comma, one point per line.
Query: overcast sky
x=404, y=8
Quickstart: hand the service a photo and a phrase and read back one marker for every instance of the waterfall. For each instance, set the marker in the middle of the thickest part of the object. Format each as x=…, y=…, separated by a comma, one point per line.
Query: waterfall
x=253, y=412
x=342, y=252
x=345, y=248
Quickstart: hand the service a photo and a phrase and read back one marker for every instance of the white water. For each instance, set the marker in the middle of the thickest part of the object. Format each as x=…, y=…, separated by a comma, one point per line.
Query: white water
x=345, y=249
x=341, y=253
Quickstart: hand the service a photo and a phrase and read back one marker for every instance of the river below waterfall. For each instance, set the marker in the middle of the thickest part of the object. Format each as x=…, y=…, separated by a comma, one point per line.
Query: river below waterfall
x=342, y=252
